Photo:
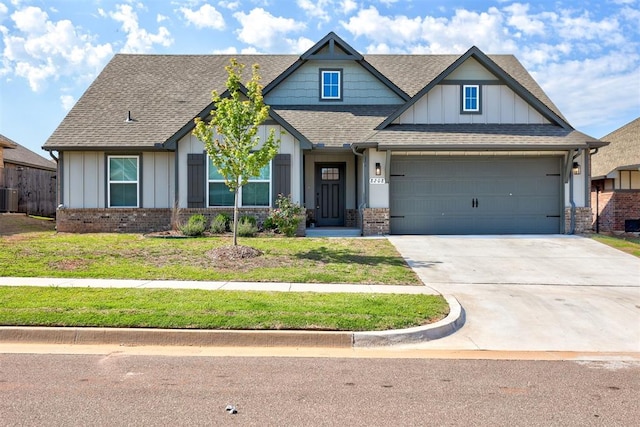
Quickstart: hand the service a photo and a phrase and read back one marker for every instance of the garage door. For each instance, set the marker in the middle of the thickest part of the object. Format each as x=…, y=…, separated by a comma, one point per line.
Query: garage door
x=475, y=195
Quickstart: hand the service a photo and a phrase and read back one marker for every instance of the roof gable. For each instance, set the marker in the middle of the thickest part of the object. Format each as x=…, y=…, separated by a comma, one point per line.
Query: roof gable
x=19, y=155
x=544, y=108
x=622, y=152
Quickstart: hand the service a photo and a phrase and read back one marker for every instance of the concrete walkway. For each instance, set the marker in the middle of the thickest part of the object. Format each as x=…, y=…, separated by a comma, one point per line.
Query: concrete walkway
x=532, y=293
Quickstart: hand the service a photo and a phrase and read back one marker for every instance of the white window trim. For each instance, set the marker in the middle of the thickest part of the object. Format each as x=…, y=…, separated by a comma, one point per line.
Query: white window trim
x=464, y=99
x=251, y=180
x=322, y=86
x=109, y=181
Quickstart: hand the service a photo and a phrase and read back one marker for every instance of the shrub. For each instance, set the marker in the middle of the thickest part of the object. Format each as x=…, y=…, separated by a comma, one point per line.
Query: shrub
x=248, y=218
x=246, y=227
x=220, y=224
x=195, y=226
x=269, y=224
x=286, y=216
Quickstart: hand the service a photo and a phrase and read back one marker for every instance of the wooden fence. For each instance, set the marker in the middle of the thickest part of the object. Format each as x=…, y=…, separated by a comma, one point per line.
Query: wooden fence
x=36, y=189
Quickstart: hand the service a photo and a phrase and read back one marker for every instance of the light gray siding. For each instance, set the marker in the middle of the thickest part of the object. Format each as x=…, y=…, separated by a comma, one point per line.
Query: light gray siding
x=441, y=105
x=86, y=179
x=359, y=86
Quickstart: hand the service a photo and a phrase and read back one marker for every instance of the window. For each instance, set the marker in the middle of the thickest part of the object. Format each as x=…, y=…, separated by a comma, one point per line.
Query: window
x=330, y=84
x=124, y=180
x=471, y=99
x=330, y=174
x=257, y=192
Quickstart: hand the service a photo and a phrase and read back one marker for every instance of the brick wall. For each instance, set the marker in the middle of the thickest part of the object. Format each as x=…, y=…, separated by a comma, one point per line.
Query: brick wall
x=615, y=207
x=375, y=221
x=113, y=220
x=141, y=220
x=352, y=218
x=583, y=220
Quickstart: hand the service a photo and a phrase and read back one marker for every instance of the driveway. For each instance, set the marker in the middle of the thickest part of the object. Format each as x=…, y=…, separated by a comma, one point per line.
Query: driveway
x=532, y=293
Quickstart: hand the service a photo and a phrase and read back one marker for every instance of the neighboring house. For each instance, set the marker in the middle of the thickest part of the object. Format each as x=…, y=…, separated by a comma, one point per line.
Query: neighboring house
x=615, y=185
x=402, y=144
x=32, y=177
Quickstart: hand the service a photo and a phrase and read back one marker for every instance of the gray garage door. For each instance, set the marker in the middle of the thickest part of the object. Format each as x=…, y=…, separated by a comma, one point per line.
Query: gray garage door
x=475, y=195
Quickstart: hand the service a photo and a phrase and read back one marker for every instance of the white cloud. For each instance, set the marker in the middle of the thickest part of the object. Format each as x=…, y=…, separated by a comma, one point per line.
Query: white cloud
x=348, y=6
x=316, y=8
x=231, y=5
x=138, y=40
x=3, y=12
x=40, y=49
x=205, y=17
x=67, y=102
x=521, y=19
x=161, y=18
x=263, y=30
x=591, y=92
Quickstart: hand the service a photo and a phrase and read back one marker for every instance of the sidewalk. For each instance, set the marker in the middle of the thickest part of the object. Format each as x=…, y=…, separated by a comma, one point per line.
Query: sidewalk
x=175, y=337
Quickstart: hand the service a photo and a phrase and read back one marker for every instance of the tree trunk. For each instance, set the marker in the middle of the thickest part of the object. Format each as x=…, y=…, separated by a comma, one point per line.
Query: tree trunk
x=235, y=219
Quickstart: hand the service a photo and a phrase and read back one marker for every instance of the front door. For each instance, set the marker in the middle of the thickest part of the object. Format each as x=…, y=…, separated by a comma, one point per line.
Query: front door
x=330, y=189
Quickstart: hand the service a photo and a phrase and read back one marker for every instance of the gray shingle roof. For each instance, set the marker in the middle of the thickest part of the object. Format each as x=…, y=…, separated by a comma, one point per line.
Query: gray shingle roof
x=6, y=142
x=622, y=152
x=165, y=92
x=20, y=155
x=481, y=137
x=335, y=125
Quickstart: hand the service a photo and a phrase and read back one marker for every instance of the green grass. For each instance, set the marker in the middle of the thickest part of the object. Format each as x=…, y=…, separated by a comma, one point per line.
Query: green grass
x=630, y=245
x=199, y=309
x=132, y=256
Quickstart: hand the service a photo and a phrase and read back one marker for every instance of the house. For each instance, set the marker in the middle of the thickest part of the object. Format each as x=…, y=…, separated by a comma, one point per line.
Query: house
x=615, y=185
x=31, y=177
x=402, y=144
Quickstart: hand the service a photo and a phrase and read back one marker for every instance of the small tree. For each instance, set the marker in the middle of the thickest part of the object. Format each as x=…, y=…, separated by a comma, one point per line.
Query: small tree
x=230, y=137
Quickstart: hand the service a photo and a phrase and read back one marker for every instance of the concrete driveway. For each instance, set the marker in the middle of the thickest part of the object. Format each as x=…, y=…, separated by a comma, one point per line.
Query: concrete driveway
x=532, y=293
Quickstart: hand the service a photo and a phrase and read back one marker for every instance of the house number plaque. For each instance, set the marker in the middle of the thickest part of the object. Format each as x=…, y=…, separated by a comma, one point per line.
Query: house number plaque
x=376, y=181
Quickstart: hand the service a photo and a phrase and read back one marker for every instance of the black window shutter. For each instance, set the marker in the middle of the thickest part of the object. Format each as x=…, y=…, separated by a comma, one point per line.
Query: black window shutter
x=195, y=180
x=281, y=176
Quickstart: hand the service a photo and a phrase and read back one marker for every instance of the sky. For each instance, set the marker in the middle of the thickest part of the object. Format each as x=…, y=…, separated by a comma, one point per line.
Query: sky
x=584, y=53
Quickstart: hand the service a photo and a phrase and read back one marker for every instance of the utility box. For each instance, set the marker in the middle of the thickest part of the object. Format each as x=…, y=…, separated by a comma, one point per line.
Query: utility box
x=8, y=200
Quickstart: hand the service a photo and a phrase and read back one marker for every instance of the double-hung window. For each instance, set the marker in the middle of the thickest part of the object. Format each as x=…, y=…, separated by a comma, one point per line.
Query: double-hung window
x=124, y=181
x=471, y=99
x=257, y=192
x=331, y=85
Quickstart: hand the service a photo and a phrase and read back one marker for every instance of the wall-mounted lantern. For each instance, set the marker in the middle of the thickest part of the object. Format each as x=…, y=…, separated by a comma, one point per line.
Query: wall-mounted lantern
x=378, y=169
x=576, y=168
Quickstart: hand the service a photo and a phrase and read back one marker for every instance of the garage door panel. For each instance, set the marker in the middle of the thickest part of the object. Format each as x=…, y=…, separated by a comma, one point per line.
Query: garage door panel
x=475, y=195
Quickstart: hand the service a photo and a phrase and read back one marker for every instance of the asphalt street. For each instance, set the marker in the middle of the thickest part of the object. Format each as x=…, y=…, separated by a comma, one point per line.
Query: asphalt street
x=117, y=389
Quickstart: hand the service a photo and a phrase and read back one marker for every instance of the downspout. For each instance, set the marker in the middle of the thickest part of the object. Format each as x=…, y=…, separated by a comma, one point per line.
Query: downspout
x=363, y=202
x=58, y=179
x=592, y=152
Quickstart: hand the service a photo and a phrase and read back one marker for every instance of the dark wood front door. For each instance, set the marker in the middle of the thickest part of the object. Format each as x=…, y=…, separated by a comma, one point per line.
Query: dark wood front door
x=330, y=189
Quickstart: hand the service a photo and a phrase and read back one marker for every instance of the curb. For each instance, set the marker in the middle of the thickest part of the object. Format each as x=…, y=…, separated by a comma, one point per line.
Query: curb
x=217, y=338
x=447, y=326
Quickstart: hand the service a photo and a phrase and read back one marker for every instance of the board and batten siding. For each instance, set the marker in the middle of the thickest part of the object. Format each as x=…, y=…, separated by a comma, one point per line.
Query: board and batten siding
x=359, y=86
x=500, y=105
x=85, y=179
x=190, y=145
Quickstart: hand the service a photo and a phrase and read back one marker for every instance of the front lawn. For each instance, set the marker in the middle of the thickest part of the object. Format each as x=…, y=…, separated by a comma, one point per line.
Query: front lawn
x=199, y=309
x=132, y=256
x=630, y=245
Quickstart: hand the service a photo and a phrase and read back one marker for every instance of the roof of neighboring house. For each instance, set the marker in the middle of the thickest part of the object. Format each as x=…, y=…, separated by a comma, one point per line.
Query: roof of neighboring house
x=6, y=142
x=19, y=155
x=481, y=137
x=165, y=92
x=622, y=152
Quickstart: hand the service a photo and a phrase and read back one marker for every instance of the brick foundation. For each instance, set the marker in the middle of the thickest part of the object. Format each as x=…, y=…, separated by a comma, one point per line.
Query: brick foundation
x=141, y=220
x=375, y=221
x=614, y=208
x=582, y=220
x=352, y=218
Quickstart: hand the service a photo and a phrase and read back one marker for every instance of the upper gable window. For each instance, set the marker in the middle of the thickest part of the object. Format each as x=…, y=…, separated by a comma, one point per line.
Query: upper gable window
x=470, y=99
x=331, y=85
